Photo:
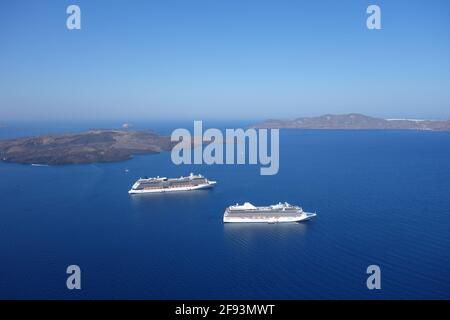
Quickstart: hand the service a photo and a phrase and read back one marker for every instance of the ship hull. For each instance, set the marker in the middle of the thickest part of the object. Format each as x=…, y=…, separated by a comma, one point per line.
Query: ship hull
x=179, y=189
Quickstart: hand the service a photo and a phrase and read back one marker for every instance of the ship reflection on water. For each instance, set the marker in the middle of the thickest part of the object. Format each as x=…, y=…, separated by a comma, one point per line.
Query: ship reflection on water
x=181, y=201
x=279, y=232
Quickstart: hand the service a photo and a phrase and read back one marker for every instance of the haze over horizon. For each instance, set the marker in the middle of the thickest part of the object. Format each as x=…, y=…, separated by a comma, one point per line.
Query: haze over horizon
x=232, y=59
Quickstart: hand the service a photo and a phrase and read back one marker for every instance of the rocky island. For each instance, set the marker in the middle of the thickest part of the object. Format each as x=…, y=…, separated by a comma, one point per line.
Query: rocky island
x=87, y=147
x=355, y=121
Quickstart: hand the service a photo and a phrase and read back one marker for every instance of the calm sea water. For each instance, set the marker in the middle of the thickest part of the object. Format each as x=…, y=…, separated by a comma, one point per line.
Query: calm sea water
x=382, y=197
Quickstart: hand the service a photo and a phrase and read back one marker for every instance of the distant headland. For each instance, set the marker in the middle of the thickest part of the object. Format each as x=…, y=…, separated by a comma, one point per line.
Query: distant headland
x=87, y=147
x=109, y=145
x=354, y=121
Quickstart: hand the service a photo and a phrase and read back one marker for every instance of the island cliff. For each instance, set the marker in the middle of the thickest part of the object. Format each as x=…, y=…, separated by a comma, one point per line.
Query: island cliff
x=87, y=147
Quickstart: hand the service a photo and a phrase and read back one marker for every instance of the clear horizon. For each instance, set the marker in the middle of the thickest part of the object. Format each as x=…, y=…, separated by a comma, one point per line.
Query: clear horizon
x=175, y=120
x=227, y=60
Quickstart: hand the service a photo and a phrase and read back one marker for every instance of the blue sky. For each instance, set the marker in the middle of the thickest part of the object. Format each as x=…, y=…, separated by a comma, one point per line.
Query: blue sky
x=223, y=59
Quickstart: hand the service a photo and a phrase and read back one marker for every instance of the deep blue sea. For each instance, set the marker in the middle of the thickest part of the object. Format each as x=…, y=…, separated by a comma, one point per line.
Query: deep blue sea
x=382, y=197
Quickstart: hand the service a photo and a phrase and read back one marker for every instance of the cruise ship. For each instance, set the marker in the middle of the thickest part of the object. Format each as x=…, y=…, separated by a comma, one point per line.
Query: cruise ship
x=162, y=184
x=282, y=212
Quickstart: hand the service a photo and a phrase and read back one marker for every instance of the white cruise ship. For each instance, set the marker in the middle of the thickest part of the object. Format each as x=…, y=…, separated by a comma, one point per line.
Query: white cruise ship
x=282, y=212
x=157, y=185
